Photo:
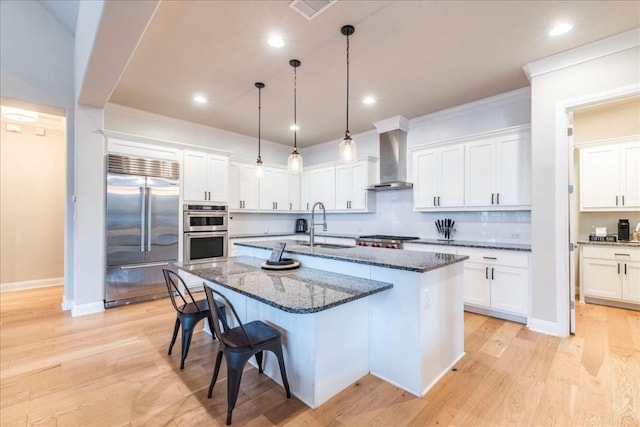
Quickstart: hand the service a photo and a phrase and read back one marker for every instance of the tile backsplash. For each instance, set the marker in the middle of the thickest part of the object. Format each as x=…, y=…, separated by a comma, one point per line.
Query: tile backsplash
x=395, y=215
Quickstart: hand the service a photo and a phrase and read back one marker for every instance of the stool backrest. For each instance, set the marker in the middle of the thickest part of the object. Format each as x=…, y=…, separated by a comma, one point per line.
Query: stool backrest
x=212, y=295
x=174, y=283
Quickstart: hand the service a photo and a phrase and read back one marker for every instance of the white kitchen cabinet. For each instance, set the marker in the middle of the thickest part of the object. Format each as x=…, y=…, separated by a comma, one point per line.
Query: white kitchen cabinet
x=610, y=273
x=294, y=189
x=498, y=172
x=351, y=180
x=438, y=178
x=205, y=177
x=498, y=280
x=319, y=185
x=610, y=177
x=243, y=187
x=274, y=190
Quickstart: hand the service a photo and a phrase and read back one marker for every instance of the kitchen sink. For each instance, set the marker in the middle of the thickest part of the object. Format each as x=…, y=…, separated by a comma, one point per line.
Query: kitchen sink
x=327, y=245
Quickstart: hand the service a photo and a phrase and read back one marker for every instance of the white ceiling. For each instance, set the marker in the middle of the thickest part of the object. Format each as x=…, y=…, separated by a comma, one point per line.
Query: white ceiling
x=415, y=57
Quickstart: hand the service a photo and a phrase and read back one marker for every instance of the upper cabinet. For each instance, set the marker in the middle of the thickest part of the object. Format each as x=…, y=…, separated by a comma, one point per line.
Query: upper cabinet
x=319, y=185
x=351, y=180
x=274, y=190
x=438, y=178
x=205, y=177
x=498, y=172
x=487, y=172
x=243, y=187
x=610, y=176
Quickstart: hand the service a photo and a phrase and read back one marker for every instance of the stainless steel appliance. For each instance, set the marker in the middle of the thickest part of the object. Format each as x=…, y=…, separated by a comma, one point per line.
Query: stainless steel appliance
x=301, y=225
x=205, y=233
x=383, y=241
x=142, y=213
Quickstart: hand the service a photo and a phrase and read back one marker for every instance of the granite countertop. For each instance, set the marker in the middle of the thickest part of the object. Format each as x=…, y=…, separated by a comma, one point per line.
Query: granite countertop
x=471, y=244
x=276, y=234
x=390, y=258
x=630, y=243
x=303, y=290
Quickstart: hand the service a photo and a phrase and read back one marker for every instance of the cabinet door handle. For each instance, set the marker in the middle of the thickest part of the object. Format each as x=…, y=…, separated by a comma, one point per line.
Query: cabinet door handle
x=497, y=198
x=625, y=268
x=616, y=200
x=618, y=268
x=290, y=206
x=205, y=195
x=434, y=201
x=492, y=271
x=492, y=198
x=486, y=272
x=623, y=200
x=438, y=200
x=307, y=205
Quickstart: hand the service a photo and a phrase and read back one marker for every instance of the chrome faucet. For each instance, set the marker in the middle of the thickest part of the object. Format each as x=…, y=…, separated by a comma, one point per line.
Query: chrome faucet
x=312, y=234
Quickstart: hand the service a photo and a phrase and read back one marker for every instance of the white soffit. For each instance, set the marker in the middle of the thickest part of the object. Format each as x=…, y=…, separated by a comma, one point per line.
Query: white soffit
x=310, y=8
x=598, y=49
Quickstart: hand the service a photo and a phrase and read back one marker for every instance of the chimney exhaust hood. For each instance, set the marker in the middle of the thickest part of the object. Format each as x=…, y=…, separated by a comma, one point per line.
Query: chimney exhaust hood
x=393, y=155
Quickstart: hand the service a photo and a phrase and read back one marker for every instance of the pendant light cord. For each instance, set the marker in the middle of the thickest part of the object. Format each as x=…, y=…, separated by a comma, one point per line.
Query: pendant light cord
x=259, y=117
x=347, y=133
x=295, y=108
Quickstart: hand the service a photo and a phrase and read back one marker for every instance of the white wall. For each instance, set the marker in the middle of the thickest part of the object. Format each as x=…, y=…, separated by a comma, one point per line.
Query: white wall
x=595, y=76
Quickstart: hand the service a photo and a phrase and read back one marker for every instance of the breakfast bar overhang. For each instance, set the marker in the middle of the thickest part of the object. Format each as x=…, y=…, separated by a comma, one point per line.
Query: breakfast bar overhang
x=348, y=312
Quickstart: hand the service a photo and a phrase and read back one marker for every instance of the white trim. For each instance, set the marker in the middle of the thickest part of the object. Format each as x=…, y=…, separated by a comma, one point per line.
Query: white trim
x=608, y=141
x=543, y=326
x=562, y=201
x=128, y=137
x=473, y=137
x=392, y=123
x=481, y=104
x=32, y=284
x=88, y=308
x=589, y=52
x=67, y=304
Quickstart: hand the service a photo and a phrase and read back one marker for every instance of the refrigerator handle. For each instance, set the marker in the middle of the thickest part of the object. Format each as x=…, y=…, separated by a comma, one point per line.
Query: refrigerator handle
x=148, y=228
x=143, y=226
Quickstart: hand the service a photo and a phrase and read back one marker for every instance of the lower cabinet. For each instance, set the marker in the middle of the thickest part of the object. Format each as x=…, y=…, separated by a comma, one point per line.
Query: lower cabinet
x=610, y=273
x=496, y=282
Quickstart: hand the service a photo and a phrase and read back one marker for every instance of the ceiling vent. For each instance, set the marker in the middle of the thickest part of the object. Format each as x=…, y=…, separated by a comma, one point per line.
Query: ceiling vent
x=310, y=8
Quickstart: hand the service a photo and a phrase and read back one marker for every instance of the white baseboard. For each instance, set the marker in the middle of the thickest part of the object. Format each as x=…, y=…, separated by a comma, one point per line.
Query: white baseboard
x=89, y=308
x=67, y=304
x=544, y=327
x=31, y=284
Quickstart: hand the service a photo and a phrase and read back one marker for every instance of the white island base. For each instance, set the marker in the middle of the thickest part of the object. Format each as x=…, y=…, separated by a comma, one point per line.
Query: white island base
x=409, y=336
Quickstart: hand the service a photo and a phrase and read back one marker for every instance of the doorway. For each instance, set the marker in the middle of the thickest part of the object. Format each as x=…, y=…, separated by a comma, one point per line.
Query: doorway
x=595, y=123
x=33, y=145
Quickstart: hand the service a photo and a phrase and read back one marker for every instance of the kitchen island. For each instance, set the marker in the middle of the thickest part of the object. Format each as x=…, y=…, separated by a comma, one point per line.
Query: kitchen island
x=406, y=326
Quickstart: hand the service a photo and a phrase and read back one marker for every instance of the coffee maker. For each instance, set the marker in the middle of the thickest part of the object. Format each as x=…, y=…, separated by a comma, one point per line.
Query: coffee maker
x=301, y=225
x=623, y=229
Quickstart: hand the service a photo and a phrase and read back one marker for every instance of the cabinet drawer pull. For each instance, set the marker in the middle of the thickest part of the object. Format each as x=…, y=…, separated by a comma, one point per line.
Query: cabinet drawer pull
x=489, y=257
x=622, y=254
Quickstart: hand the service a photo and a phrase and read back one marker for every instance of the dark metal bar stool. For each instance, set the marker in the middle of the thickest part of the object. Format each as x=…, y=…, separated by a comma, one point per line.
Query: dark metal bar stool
x=238, y=345
x=189, y=312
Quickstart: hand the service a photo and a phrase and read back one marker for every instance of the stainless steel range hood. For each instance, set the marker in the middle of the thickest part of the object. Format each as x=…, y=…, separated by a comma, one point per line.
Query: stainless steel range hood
x=393, y=155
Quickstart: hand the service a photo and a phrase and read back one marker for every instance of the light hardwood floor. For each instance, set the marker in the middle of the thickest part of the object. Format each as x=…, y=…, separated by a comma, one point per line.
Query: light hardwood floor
x=112, y=369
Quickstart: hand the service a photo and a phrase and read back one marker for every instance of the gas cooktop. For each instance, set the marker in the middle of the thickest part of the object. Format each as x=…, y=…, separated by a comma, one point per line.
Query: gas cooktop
x=383, y=241
x=386, y=237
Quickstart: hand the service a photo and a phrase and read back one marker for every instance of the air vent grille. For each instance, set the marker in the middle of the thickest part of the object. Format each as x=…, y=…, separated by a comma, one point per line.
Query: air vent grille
x=310, y=8
x=141, y=166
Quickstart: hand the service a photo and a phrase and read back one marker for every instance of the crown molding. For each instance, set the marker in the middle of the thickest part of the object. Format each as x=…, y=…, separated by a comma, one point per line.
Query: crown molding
x=588, y=52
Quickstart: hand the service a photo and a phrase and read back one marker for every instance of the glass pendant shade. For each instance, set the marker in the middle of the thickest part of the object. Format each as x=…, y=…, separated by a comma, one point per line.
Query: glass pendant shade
x=294, y=163
x=347, y=150
x=259, y=168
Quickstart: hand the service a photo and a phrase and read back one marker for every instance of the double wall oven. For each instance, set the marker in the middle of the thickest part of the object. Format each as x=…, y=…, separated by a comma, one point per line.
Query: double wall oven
x=205, y=233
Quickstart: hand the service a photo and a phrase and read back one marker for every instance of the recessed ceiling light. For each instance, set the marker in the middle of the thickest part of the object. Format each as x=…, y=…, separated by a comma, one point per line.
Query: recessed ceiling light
x=276, y=41
x=294, y=127
x=369, y=100
x=560, y=29
x=200, y=99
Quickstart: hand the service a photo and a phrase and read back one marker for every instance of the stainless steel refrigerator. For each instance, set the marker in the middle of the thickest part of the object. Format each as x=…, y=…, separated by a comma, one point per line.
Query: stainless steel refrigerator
x=141, y=227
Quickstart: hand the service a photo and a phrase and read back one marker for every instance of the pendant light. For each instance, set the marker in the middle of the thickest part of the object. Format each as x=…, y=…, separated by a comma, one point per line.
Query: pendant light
x=294, y=164
x=347, y=151
x=259, y=167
